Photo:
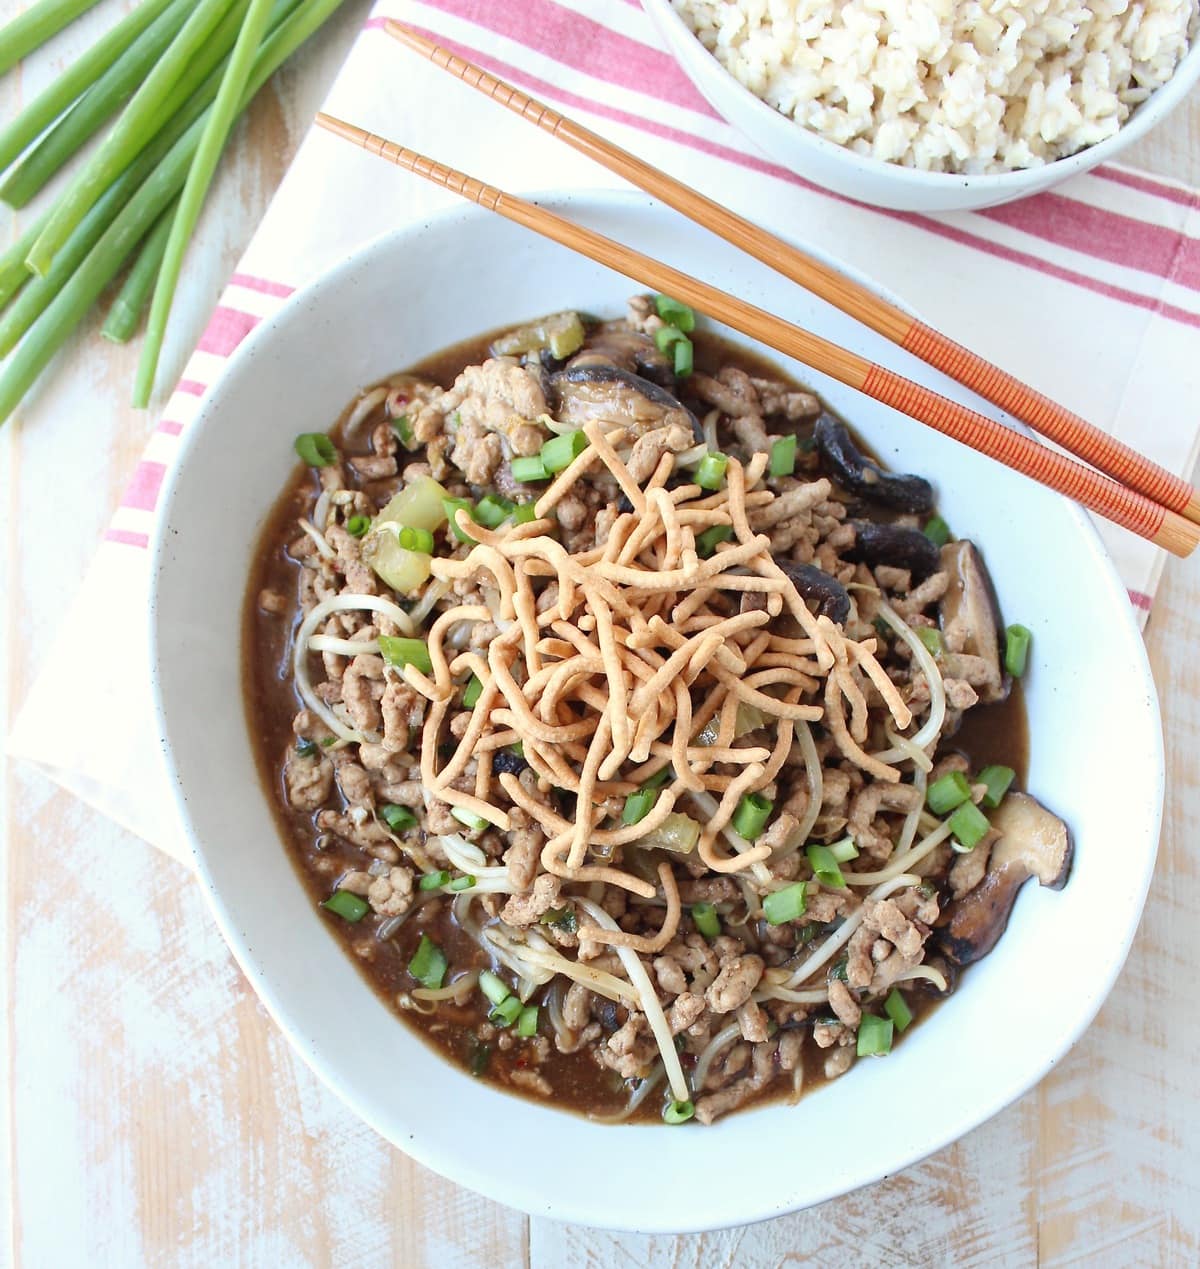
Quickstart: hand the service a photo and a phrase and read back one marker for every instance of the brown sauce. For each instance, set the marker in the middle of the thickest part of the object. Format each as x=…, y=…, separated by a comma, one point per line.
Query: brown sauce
x=989, y=734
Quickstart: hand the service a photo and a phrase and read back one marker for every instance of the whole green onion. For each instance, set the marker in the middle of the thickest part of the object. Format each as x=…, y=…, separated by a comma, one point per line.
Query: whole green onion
x=398, y=652
x=711, y=471
x=212, y=141
x=751, y=815
x=998, y=779
x=30, y=30
x=1016, y=649
x=947, y=792
x=350, y=907
x=62, y=92
x=428, y=965
x=782, y=460
x=127, y=308
x=13, y=273
x=787, y=904
x=969, y=826
x=704, y=918
x=874, y=1036
x=315, y=449
x=397, y=818
x=675, y=313
x=139, y=120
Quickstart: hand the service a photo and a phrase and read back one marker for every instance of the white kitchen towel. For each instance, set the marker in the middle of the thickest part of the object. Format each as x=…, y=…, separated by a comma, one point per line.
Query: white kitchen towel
x=1090, y=293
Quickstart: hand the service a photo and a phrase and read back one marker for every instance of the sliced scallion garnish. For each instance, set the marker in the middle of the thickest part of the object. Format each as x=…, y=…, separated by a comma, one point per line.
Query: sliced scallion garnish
x=1016, y=649
x=675, y=313
x=493, y=986
x=706, y=542
x=751, y=815
x=399, y=652
x=896, y=1008
x=637, y=806
x=397, y=818
x=931, y=637
x=358, y=526
x=527, y=470
x=711, y=472
x=825, y=867
x=491, y=510
x=947, y=792
x=782, y=460
x=465, y=882
x=874, y=1036
x=349, y=906
x=452, y=505
x=472, y=692
x=315, y=449
x=844, y=851
x=998, y=779
x=428, y=965
x=969, y=826
x=475, y=822
x=787, y=904
x=560, y=452
x=937, y=530
x=434, y=880
x=678, y=1112
x=705, y=919
x=527, y=1022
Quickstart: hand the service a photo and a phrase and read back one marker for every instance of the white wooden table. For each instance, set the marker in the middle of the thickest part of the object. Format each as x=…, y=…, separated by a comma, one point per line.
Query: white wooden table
x=154, y=1115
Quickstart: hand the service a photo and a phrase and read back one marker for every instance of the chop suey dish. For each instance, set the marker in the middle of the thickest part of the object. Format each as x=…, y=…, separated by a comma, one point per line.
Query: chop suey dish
x=653, y=749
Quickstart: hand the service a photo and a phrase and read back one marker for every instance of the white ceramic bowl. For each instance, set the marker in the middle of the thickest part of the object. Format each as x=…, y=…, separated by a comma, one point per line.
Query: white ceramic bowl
x=1090, y=698
x=872, y=180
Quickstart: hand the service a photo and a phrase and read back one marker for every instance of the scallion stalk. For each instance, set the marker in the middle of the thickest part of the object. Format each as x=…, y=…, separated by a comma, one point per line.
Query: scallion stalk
x=127, y=308
x=30, y=30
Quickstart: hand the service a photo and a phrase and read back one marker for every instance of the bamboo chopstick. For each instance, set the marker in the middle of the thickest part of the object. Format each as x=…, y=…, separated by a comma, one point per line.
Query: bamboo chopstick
x=1106, y=497
x=1045, y=416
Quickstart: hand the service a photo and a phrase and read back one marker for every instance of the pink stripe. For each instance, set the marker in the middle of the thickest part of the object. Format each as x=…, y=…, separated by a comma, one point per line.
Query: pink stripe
x=170, y=427
x=126, y=538
x=264, y=285
x=225, y=330
x=1138, y=600
x=1107, y=235
x=193, y=387
x=584, y=45
x=961, y=236
x=142, y=491
x=1146, y=185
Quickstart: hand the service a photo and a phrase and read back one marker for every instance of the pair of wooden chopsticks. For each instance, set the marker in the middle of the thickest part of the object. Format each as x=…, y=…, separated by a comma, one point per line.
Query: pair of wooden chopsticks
x=1120, y=484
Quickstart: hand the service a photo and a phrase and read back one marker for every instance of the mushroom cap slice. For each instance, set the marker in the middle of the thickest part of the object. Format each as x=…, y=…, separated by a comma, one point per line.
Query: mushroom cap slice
x=860, y=475
x=895, y=545
x=971, y=618
x=1033, y=842
x=603, y=391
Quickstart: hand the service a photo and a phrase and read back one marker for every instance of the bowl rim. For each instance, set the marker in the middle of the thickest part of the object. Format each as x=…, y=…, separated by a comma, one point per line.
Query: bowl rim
x=1145, y=116
x=430, y=1150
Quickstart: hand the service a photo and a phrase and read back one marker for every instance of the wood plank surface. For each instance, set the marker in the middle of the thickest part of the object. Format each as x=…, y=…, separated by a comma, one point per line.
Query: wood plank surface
x=154, y=1116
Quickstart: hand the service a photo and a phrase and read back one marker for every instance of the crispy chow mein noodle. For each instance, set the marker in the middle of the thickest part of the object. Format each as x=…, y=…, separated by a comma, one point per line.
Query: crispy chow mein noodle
x=623, y=758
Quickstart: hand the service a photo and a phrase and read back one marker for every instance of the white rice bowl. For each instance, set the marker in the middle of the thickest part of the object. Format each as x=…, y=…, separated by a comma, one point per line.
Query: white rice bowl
x=950, y=85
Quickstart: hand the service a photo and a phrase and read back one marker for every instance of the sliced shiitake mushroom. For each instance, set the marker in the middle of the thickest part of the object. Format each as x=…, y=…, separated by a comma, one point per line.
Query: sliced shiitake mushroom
x=1033, y=842
x=971, y=619
x=894, y=545
x=858, y=474
x=602, y=390
x=631, y=350
x=819, y=587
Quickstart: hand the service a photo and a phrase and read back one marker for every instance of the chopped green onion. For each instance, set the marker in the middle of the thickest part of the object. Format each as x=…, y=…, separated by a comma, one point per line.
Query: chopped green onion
x=415, y=539
x=465, y=882
x=997, y=779
x=786, y=904
x=434, y=880
x=399, y=652
x=659, y=778
x=560, y=452
x=782, y=461
x=527, y=1022
x=562, y=918
x=937, y=530
x=711, y=471
x=506, y=1012
x=706, y=542
x=969, y=826
x=1016, y=649
x=637, y=806
x=874, y=1036
x=944, y=794
x=524, y=513
x=844, y=851
x=751, y=815
x=838, y=969
x=397, y=818
x=675, y=313
x=684, y=358
x=316, y=449
x=704, y=917
x=305, y=748
x=896, y=1008
x=518, y=749
x=678, y=1112
x=403, y=429
x=493, y=986
x=473, y=692
x=428, y=965
x=350, y=907
x=491, y=511
x=453, y=505
x=931, y=637
x=469, y=818
x=329, y=741
x=358, y=526
x=666, y=337
x=825, y=867
x=526, y=470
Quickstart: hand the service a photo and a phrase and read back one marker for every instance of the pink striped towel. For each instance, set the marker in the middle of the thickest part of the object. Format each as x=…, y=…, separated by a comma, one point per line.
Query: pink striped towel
x=1105, y=273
